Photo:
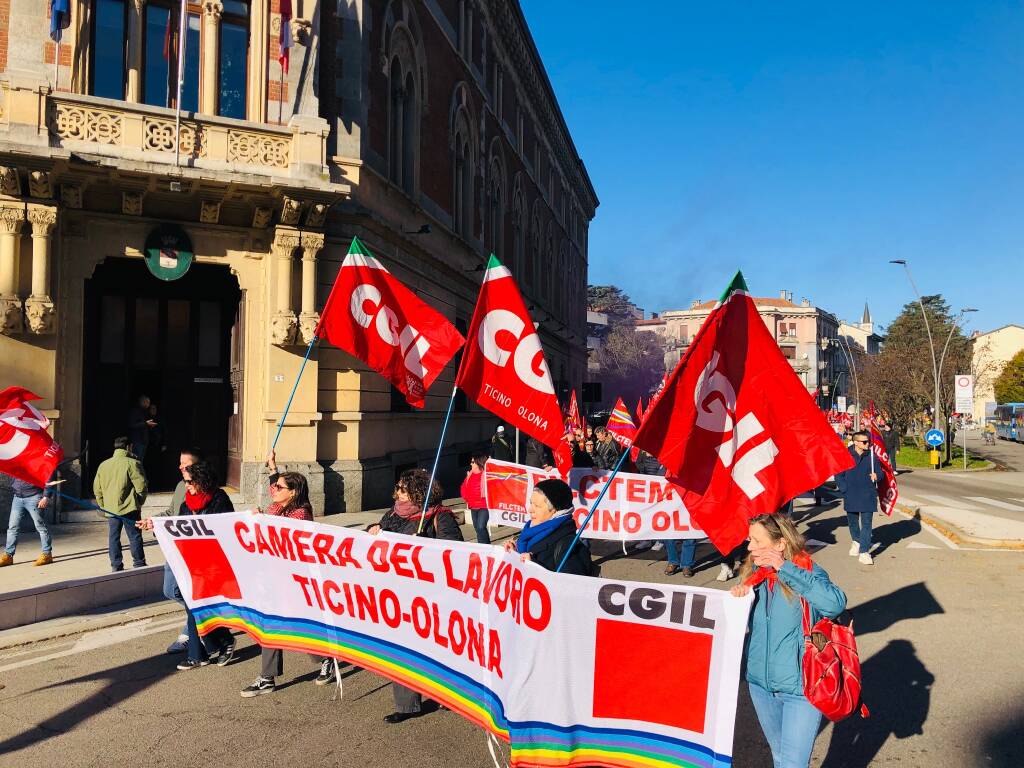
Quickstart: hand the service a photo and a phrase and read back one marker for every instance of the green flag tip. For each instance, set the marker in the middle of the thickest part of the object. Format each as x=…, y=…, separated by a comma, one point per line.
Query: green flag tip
x=358, y=247
x=493, y=262
x=736, y=284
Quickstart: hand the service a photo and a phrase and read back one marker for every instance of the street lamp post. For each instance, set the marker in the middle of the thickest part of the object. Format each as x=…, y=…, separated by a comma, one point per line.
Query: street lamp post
x=928, y=329
x=942, y=360
x=848, y=354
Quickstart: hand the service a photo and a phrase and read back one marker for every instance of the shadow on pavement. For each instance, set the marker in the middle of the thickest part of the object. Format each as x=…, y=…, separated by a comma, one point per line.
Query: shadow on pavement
x=897, y=690
x=1003, y=745
x=914, y=601
x=887, y=534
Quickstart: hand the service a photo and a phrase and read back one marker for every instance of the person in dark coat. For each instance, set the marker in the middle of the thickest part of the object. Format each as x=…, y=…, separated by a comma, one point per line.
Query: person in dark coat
x=858, y=486
x=549, y=532
x=606, y=452
x=538, y=455
x=204, y=496
x=501, y=448
x=407, y=517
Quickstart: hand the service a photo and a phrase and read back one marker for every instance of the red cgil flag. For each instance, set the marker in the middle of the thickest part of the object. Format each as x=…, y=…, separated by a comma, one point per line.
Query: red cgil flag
x=371, y=315
x=888, y=493
x=639, y=410
x=574, y=421
x=27, y=451
x=503, y=366
x=735, y=427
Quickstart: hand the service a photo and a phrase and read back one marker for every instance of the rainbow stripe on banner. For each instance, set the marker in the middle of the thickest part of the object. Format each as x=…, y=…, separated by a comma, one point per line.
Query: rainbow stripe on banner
x=532, y=743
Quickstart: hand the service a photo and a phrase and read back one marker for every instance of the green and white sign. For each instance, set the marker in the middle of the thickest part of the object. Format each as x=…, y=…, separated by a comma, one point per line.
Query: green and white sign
x=168, y=252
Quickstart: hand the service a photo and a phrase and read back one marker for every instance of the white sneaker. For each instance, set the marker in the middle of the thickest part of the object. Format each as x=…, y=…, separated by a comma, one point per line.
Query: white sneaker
x=865, y=559
x=725, y=573
x=854, y=549
x=657, y=546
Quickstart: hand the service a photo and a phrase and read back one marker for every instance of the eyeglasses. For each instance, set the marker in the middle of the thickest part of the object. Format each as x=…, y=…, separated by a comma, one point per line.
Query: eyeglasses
x=190, y=482
x=280, y=487
x=862, y=442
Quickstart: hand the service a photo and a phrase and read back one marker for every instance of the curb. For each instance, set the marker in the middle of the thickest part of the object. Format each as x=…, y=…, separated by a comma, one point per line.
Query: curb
x=957, y=536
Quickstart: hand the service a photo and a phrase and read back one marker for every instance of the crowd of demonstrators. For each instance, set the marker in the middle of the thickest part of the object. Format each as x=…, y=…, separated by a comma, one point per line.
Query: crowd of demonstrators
x=782, y=574
x=549, y=533
x=119, y=488
x=859, y=488
x=407, y=516
x=34, y=500
x=472, y=493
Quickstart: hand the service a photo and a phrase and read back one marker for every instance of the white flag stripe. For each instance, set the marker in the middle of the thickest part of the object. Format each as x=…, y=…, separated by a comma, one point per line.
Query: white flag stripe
x=997, y=503
x=362, y=260
x=945, y=501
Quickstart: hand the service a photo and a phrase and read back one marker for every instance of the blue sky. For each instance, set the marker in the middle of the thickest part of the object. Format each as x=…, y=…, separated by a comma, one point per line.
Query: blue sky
x=804, y=143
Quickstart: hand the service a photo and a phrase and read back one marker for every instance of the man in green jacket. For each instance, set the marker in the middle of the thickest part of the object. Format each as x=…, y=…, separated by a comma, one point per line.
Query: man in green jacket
x=120, y=488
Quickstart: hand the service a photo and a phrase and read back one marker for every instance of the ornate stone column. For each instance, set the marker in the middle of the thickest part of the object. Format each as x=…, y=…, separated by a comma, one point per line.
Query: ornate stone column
x=283, y=323
x=12, y=216
x=39, y=309
x=133, y=91
x=312, y=243
x=212, y=10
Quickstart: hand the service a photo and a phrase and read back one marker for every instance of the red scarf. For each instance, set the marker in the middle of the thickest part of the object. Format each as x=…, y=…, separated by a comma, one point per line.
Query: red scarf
x=196, y=502
x=801, y=559
x=407, y=510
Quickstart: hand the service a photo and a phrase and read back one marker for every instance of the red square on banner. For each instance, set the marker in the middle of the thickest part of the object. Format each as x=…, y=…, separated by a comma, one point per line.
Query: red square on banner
x=644, y=672
x=212, y=575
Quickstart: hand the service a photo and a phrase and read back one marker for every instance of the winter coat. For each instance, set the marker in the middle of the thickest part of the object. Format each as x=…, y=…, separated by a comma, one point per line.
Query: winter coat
x=440, y=525
x=549, y=551
x=25, y=490
x=859, y=493
x=648, y=465
x=538, y=454
x=472, y=491
x=501, y=449
x=775, y=646
x=138, y=429
x=580, y=458
x=120, y=485
x=606, y=454
x=219, y=502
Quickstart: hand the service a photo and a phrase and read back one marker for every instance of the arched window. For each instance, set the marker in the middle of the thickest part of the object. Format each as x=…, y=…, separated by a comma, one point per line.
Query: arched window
x=496, y=207
x=463, y=165
x=533, y=255
x=403, y=66
x=518, y=231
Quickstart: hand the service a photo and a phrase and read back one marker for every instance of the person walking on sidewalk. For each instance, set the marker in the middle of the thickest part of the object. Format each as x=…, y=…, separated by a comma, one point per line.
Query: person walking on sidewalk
x=473, y=495
x=120, y=488
x=858, y=486
x=186, y=459
x=34, y=500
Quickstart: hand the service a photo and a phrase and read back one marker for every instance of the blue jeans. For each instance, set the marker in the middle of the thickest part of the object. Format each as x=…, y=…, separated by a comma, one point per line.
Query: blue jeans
x=171, y=591
x=19, y=506
x=860, y=529
x=682, y=559
x=480, y=518
x=790, y=724
x=218, y=638
x=114, y=526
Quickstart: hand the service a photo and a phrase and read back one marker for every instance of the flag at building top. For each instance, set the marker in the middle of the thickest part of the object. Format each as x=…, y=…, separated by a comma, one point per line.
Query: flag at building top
x=623, y=430
x=503, y=366
x=60, y=18
x=734, y=425
x=285, y=39
x=370, y=314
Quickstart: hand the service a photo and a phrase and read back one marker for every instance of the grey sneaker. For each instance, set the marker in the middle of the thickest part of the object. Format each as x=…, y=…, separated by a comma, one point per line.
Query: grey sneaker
x=188, y=664
x=261, y=686
x=178, y=646
x=326, y=675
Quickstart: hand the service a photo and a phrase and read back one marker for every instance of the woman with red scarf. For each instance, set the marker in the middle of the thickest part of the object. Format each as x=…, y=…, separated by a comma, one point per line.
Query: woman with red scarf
x=782, y=574
x=204, y=496
x=408, y=517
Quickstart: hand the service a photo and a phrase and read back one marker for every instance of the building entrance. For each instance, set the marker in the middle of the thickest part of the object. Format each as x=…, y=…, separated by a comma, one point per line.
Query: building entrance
x=173, y=342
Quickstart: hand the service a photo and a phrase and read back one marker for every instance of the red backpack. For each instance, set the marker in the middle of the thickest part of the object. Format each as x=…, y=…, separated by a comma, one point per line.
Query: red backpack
x=831, y=667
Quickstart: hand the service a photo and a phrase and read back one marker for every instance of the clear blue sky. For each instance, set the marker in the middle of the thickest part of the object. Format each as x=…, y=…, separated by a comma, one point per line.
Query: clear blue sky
x=804, y=143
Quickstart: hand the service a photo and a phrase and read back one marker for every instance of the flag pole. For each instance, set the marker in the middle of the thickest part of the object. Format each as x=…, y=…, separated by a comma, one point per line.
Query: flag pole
x=56, y=65
x=437, y=457
x=295, y=387
x=90, y=505
x=593, y=508
x=181, y=81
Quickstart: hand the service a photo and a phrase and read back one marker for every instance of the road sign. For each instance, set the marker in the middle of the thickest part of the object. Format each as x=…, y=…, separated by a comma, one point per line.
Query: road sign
x=934, y=437
x=841, y=403
x=963, y=387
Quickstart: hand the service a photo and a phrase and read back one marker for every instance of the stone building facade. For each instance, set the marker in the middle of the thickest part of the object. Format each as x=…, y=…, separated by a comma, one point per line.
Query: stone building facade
x=185, y=254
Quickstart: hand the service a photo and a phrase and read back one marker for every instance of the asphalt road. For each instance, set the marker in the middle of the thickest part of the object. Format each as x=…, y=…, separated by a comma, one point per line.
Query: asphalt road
x=938, y=632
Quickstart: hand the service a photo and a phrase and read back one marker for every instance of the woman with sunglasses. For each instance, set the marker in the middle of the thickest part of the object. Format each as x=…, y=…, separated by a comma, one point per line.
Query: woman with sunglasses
x=289, y=497
x=204, y=496
x=408, y=517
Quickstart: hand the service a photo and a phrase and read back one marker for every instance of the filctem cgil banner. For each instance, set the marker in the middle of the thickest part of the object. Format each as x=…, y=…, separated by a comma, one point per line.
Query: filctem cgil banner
x=635, y=508
x=569, y=670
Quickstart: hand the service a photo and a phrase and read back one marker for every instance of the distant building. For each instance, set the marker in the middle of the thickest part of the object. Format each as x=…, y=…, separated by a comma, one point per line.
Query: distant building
x=862, y=334
x=991, y=352
x=597, y=324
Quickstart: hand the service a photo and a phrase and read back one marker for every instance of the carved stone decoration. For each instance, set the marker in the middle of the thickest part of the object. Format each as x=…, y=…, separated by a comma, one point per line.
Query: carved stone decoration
x=261, y=217
x=71, y=196
x=311, y=243
x=11, y=321
x=307, y=325
x=213, y=8
x=42, y=218
x=131, y=203
x=301, y=29
x=41, y=315
x=210, y=212
x=290, y=211
x=12, y=217
x=39, y=184
x=9, y=183
x=316, y=216
x=283, y=327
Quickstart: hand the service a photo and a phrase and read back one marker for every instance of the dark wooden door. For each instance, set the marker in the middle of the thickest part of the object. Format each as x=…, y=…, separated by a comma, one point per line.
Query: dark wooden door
x=236, y=367
x=170, y=341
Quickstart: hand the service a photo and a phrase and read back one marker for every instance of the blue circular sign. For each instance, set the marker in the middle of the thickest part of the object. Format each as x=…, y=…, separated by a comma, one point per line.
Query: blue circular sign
x=934, y=437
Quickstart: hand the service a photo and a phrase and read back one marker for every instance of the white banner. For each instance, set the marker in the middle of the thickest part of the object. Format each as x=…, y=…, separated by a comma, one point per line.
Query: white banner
x=567, y=669
x=636, y=507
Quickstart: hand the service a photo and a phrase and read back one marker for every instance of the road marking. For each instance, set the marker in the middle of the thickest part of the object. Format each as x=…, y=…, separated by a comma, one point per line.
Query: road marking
x=945, y=501
x=100, y=638
x=919, y=545
x=997, y=503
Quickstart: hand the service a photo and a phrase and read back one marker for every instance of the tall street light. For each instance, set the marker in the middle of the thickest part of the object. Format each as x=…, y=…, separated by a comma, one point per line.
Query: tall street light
x=931, y=344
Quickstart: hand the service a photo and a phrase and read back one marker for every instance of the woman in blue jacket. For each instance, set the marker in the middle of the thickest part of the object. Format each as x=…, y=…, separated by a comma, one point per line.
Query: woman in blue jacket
x=781, y=573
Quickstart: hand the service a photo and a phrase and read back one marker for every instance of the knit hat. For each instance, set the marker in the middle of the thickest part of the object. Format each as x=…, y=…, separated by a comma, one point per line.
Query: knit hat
x=557, y=493
x=501, y=428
